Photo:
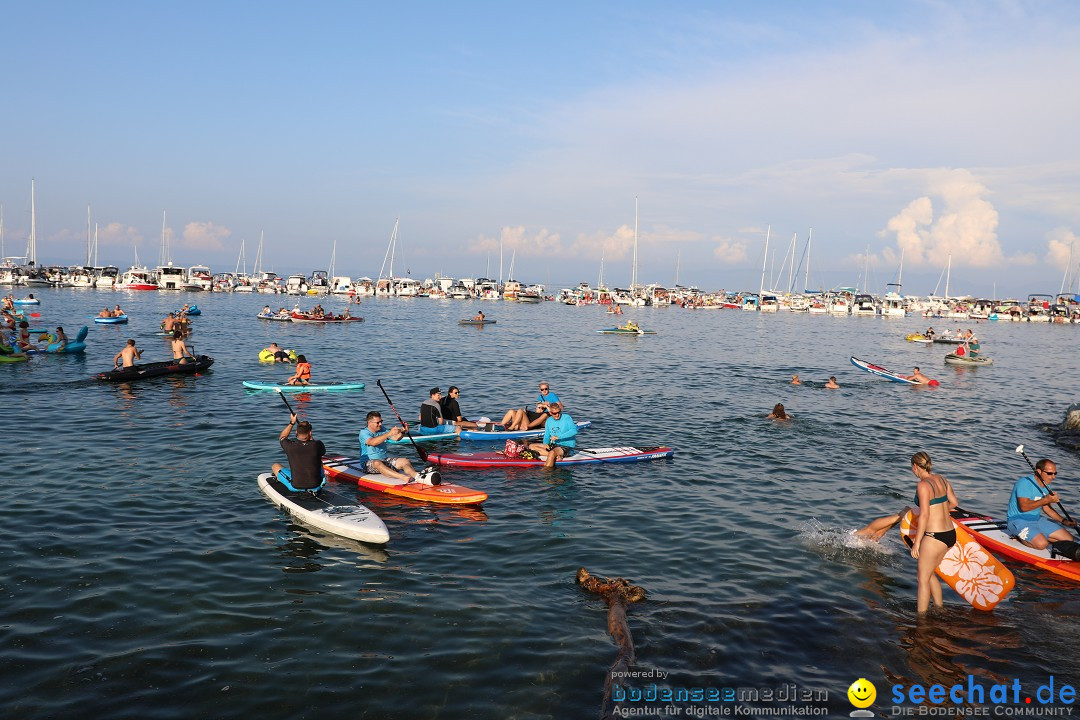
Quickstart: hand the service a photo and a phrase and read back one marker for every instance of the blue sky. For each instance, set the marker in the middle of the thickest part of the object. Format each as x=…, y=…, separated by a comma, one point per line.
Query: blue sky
x=926, y=129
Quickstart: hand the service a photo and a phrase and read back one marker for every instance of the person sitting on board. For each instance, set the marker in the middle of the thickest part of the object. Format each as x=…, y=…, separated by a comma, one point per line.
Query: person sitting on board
x=778, y=413
x=519, y=419
x=1031, y=519
x=106, y=312
x=9, y=302
x=630, y=325
x=972, y=344
x=929, y=334
x=431, y=417
x=451, y=410
x=265, y=310
x=479, y=316
x=832, y=384
x=8, y=321
x=117, y=312
x=305, y=453
x=184, y=310
x=180, y=351
x=795, y=380
x=616, y=309
x=560, y=436
x=22, y=339
x=129, y=355
x=373, y=455
x=918, y=377
x=346, y=315
x=302, y=376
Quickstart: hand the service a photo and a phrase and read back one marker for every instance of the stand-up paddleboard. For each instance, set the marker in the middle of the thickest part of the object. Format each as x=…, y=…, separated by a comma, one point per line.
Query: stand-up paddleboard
x=275, y=316
x=482, y=435
x=968, y=568
x=417, y=437
x=345, y=469
x=994, y=535
x=476, y=322
x=625, y=331
x=310, y=387
x=327, y=511
x=118, y=320
x=887, y=374
x=581, y=456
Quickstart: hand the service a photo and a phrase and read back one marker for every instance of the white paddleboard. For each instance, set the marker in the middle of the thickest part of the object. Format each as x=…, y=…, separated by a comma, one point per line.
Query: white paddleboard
x=327, y=511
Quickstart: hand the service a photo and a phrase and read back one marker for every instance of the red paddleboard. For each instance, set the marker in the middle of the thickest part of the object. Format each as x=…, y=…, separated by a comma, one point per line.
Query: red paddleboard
x=968, y=568
x=581, y=456
x=343, y=469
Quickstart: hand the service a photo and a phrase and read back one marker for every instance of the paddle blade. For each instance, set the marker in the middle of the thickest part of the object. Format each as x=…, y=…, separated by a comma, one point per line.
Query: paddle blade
x=1019, y=448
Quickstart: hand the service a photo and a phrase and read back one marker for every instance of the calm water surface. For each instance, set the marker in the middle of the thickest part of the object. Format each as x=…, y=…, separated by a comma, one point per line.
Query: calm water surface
x=146, y=576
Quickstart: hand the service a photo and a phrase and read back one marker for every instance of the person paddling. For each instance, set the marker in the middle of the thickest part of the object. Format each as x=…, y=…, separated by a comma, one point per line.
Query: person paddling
x=479, y=316
x=560, y=436
x=1031, y=518
x=305, y=455
x=129, y=355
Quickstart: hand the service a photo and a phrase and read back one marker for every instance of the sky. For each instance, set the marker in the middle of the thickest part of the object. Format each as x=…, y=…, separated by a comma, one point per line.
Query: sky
x=905, y=138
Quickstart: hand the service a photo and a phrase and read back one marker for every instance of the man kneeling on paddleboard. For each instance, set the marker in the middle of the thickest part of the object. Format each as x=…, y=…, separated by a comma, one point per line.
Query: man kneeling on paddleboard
x=560, y=433
x=305, y=458
x=1031, y=519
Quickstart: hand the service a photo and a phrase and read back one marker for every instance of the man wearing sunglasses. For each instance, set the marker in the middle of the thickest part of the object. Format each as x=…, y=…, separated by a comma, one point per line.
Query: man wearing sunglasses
x=1033, y=521
x=560, y=436
x=526, y=419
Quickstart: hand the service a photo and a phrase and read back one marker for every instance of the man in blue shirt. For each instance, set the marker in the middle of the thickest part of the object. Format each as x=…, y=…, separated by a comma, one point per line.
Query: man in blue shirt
x=525, y=419
x=373, y=451
x=1032, y=520
x=560, y=436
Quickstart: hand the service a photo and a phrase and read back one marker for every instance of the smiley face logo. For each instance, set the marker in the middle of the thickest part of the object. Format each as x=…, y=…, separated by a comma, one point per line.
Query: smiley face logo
x=862, y=693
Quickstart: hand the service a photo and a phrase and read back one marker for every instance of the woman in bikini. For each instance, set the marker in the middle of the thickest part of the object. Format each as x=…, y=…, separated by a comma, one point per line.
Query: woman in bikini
x=935, y=498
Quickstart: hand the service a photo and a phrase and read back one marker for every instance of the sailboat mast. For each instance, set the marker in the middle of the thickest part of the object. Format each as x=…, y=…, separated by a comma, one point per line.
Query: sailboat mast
x=88, y=248
x=33, y=228
x=948, y=274
x=678, y=258
x=163, y=255
x=236, y=270
x=600, y=278
x=633, y=270
x=3, y=253
x=333, y=258
x=95, y=246
x=1068, y=266
x=806, y=276
x=257, y=269
x=393, y=248
x=764, y=259
x=791, y=268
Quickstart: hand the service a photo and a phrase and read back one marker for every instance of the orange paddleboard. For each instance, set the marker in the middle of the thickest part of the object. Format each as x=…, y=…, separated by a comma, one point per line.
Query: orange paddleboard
x=343, y=469
x=968, y=568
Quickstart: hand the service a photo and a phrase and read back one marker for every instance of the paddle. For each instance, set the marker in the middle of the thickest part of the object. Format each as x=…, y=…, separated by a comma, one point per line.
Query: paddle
x=423, y=455
x=284, y=400
x=1064, y=512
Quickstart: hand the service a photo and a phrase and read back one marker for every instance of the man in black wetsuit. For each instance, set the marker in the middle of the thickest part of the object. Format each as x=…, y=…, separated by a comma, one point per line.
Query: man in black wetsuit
x=452, y=411
x=305, y=458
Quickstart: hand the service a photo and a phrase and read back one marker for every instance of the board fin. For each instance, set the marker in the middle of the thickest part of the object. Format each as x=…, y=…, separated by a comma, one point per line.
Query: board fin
x=1066, y=548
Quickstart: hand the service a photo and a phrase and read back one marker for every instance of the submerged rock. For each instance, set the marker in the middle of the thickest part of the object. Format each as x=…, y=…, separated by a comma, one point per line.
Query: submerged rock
x=1066, y=434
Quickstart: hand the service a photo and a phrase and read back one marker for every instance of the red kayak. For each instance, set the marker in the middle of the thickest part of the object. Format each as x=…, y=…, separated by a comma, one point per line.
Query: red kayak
x=581, y=456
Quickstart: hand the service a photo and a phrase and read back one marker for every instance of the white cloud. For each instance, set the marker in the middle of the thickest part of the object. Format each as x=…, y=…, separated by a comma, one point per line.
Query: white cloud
x=1060, y=247
x=730, y=252
x=203, y=236
x=115, y=233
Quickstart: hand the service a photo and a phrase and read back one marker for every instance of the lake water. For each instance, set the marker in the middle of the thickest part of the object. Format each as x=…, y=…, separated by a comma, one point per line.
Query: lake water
x=146, y=576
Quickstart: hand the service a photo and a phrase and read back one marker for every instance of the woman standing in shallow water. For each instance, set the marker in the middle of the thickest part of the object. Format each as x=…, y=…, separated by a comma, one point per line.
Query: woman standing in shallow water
x=936, y=534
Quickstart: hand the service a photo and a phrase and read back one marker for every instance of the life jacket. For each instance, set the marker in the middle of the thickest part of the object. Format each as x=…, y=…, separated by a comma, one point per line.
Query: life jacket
x=303, y=371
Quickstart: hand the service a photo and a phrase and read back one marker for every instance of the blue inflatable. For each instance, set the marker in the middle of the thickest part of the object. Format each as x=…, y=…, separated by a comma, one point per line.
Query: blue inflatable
x=73, y=346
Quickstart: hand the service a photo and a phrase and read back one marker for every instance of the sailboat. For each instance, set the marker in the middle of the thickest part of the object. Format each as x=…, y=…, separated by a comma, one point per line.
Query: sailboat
x=167, y=276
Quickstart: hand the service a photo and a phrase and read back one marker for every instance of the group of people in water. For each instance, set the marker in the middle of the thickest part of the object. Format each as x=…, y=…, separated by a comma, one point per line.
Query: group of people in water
x=1031, y=520
x=107, y=313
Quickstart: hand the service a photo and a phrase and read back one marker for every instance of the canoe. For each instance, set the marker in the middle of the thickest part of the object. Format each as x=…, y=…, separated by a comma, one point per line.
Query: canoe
x=979, y=360
x=482, y=435
x=301, y=317
x=310, y=387
x=275, y=316
x=883, y=373
x=624, y=331
x=968, y=568
x=343, y=469
x=994, y=535
x=581, y=456
x=327, y=511
x=168, y=367
x=112, y=320
x=476, y=322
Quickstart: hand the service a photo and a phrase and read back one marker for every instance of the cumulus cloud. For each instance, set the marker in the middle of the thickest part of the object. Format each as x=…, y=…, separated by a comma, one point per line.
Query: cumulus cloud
x=729, y=251
x=1060, y=247
x=204, y=236
x=965, y=227
x=115, y=233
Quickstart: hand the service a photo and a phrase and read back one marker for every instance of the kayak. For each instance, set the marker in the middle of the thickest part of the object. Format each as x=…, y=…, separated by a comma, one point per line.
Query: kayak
x=310, y=387
x=111, y=320
x=327, y=511
x=275, y=316
x=476, y=322
x=995, y=536
x=581, y=456
x=954, y=359
x=482, y=435
x=625, y=331
x=883, y=373
x=301, y=317
x=345, y=469
x=73, y=346
x=168, y=367
x=968, y=567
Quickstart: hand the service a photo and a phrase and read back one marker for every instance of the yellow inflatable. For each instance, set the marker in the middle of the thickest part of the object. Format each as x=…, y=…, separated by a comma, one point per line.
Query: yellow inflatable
x=267, y=356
